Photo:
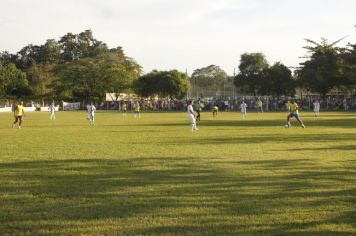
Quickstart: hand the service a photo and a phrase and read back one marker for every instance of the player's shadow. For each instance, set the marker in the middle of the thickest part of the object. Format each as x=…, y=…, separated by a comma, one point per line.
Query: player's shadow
x=189, y=196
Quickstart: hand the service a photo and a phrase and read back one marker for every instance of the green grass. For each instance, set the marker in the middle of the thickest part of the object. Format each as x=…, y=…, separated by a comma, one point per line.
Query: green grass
x=152, y=176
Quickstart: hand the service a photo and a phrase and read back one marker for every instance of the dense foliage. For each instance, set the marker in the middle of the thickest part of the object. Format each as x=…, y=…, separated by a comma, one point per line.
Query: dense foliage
x=211, y=77
x=79, y=67
x=162, y=83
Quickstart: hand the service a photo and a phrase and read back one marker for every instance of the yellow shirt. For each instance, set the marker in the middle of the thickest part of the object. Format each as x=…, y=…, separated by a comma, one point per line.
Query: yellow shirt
x=294, y=108
x=259, y=103
x=19, y=110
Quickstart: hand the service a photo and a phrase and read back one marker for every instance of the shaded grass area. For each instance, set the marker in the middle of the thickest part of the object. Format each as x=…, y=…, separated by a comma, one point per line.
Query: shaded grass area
x=152, y=176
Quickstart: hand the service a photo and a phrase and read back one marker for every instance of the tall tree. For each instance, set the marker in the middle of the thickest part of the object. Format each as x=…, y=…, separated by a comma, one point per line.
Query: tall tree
x=172, y=84
x=324, y=69
x=278, y=81
x=76, y=46
x=13, y=82
x=349, y=57
x=210, y=77
x=49, y=52
x=40, y=76
x=91, y=77
x=251, y=72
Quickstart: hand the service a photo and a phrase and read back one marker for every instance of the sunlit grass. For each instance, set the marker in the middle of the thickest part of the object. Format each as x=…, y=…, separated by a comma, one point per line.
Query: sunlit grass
x=153, y=176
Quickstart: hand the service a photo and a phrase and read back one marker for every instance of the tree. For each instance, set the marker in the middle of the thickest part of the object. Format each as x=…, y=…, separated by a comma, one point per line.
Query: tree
x=76, y=46
x=349, y=57
x=325, y=68
x=7, y=58
x=278, y=81
x=121, y=70
x=50, y=52
x=40, y=77
x=251, y=69
x=91, y=77
x=210, y=77
x=13, y=82
x=172, y=84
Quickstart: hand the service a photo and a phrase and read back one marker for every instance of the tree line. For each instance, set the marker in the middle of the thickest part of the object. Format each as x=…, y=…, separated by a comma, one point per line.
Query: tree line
x=82, y=68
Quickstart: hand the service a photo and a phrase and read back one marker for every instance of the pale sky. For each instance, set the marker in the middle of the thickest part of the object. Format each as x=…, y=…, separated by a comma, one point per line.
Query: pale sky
x=183, y=34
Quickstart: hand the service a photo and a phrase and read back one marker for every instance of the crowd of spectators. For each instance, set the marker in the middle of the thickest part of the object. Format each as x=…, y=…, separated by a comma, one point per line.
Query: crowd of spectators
x=224, y=104
x=232, y=104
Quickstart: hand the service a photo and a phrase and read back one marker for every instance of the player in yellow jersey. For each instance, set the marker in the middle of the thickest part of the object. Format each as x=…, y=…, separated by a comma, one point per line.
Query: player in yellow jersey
x=288, y=106
x=294, y=113
x=19, y=112
x=259, y=106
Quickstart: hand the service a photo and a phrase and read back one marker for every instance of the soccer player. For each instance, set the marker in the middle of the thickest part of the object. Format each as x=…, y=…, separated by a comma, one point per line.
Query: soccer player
x=197, y=107
x=124, y=108
x=52, y=109
x=215, y=110
x=294, y=113
x=191, y=116
x=19, y=112
x=137, y=109
x=92, y=113
x=243, y=107
x=316, y=106
x=89, y=112
x=259, y=106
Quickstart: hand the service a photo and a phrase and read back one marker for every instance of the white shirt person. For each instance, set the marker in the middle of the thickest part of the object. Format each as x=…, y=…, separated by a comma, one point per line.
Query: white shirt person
x=191, y=116
x=243, y=108
x=52, y=109
x=316, y=105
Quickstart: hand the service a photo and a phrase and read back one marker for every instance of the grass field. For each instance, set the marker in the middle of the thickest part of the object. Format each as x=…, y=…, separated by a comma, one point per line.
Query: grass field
x=152, y=176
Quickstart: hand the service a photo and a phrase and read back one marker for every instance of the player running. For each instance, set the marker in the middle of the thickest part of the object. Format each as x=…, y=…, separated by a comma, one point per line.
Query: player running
x=19, y=113
x=294, y=113
x=198, y=108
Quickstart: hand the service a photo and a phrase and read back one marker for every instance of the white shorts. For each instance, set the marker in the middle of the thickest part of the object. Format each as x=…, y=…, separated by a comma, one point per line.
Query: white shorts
x=191, y=118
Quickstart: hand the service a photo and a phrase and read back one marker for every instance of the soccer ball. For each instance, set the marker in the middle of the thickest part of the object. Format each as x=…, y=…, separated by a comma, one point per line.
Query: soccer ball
x=286, y=126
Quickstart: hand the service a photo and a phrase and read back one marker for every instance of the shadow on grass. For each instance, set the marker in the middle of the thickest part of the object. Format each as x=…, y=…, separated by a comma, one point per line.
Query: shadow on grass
x=268, y=138
x=338, y=148
x=330, y=122
x=180, y=195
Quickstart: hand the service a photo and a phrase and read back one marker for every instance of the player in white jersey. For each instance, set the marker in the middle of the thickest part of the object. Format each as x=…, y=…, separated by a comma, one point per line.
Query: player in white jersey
x=92, y=113
x=52, y=109
x=243, y=107
x=89, y=112
x=316, y=106
x=191, y=116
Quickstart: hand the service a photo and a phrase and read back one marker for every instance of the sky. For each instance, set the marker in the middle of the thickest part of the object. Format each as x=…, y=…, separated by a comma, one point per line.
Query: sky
x=183, y=34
